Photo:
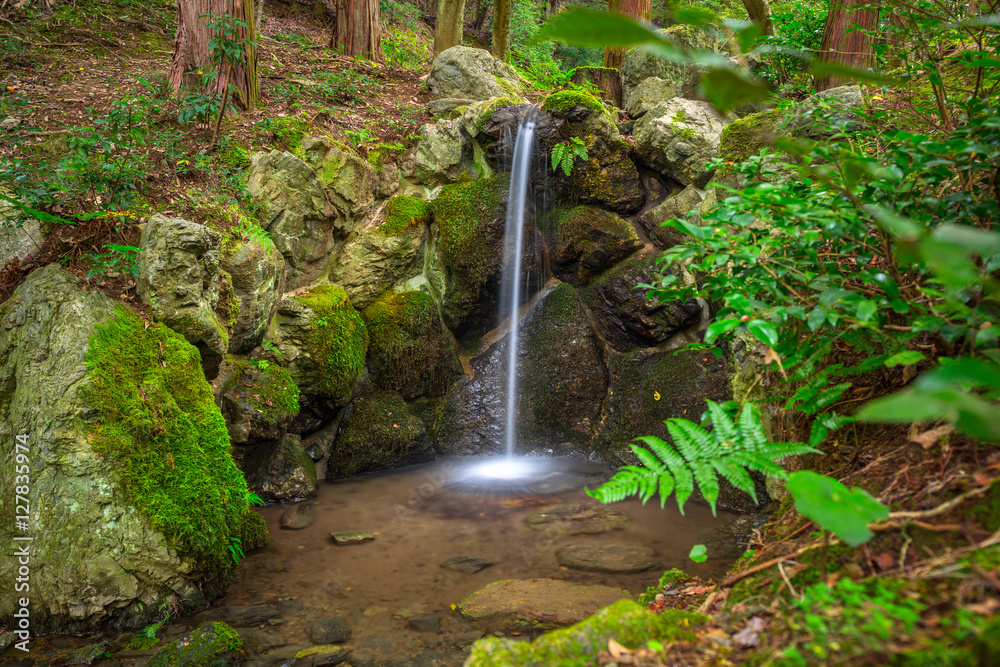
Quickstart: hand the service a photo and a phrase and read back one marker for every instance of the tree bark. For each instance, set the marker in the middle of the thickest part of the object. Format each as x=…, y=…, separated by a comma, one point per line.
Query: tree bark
x=636, y=9
x=607, y=81
x=448, y=25
x=501, y=29
x=482, y=6
x=759, y=11
x=191, y=52
x=356, y=29
x=853, y=49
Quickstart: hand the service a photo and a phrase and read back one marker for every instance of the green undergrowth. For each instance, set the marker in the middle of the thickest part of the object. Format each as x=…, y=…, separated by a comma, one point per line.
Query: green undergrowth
x=403, y=212
x=672, y=576
x=160, y=426
x=338, y=338
x=578, y=646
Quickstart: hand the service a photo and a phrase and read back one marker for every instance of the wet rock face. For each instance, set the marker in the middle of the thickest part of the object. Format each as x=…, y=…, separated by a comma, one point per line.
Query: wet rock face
x=257, y=273
x=626, y=317
x=281, y=472
x=677, y=205
x=586, y=241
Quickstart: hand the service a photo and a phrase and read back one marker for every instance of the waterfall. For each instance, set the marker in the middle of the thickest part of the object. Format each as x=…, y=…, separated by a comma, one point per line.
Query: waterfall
x=510, y=289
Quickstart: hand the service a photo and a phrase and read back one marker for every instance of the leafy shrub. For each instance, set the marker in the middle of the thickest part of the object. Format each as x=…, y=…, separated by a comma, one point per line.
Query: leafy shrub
x=406, y=49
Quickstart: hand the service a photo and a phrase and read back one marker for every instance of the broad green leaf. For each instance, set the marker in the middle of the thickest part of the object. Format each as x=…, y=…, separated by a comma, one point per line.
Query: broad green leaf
x=730, y=88
x=904, y=358
x=588, y=27
x=844, y=512
x=695, y=16
x=764, y=331
x=746, y=32
x=699, y=553
x=716, y=329
x=826, y=68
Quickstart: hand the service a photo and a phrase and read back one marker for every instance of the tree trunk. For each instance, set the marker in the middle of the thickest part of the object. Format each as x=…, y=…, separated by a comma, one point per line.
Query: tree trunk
x=448, y=25
x=501, y=29
x=356, y=29
x=759, y=11
x=853, y=49
x=605, y=80
x=481, y=8
x=637, y=9
x=191, y=52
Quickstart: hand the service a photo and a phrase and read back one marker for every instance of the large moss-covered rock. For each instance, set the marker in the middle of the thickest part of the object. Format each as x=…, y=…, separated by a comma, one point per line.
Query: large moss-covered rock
x=411, y=352
x=639, y=64
x=123, y=440
x=586, y=241
x=296, y=212
x=650, y=92
x=625, y=316
x=179, y=281
x=256, y=270
x=322, y=341
x=209, y=646
x=385, y=252
x=350, y=183
x=257, y=399
x=562, y=382
x=281, y=471
x=677, y=205
x=471, y=74
x=378, y=432
x=447, y=153
x=678, y=138
x=748, y=135
x=626, y=622
x=470, y=222
x=536, y=604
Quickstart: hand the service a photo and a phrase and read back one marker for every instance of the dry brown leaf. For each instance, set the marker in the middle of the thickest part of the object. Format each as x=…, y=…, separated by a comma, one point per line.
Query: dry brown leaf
x=770, y=355
x=750, y=635
x=617, y=650
x=928, y=439
x=884, y=560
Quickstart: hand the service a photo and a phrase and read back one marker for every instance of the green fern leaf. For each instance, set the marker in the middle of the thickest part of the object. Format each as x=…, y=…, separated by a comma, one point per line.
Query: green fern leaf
x=720, y=422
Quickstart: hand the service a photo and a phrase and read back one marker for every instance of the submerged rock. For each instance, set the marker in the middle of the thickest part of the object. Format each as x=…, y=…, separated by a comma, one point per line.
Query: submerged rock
x=607, y=557
x=536, y=604
x=298, y=516
x=329, y=630
x=216, y=644
x=348, y=537
x=576, y=519
x=466, y=564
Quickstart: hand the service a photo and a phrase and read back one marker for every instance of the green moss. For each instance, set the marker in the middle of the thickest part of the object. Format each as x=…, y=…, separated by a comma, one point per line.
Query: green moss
x=403, y=212
x=379, y=154
x=494, y=105
x=746, y=136
x=377, y=435
x=338, y=338
x=561, y=103
x=160, y=425
x=578, y=646
x=253, y=532
x=208, y=646
x=670, y=577
x=462, y=212
x=234, y=157
x=268, y=387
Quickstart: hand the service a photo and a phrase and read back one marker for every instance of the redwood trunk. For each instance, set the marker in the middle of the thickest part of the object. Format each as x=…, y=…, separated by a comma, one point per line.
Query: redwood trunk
x=356, y=29
x=853, y=49
x=191, y=52
x=759, y=11
x=605, y=80
x=636, y=9
x=448, y=25
x=501, y=29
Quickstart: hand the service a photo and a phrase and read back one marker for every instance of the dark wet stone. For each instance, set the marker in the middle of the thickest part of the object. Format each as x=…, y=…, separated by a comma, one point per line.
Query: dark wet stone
x=425, y=623
x=258, y=641
x=290, y=606
x=606, y=557
x=298, y=516
x=243, y=616
x=88, y=655
x=466, y=564
x=328, y=631
x=348, y=537
x=576, y=519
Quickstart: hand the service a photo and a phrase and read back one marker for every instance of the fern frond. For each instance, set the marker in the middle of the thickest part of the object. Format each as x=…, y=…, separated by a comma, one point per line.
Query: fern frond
x=720, y=422
x=751, y=430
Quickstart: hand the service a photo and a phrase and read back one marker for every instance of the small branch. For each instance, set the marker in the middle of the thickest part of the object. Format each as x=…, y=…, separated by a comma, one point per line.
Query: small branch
x=943, y=508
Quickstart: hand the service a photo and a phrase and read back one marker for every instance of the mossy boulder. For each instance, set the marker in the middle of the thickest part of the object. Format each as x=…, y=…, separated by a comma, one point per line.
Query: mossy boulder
x=624, y=621
x=348, y=180
x=446, y=152
x=574, y=105
x=134, y=495
x=586, y=241
x=410, y=352
x=212, y=645
x=678, y=138
x=281, y=471
x=322, y=341
x=179, y=280
x=536, y=604
x=256, y=270
x=650, y=92
x=625, y=316
x=470, y=223
x=677, y=205
x=748, y=135
x=296, y=212
x=638, y=64
x=378, y=432
x=607, y=178
x=386, y=251
x=471, y=74
x=257, y=399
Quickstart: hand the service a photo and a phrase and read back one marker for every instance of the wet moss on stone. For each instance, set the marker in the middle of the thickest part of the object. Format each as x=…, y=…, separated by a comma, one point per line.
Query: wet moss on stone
x=338, y=338
x=269, y=387
x=745, y=137
x=561, y=103
x=160, y=425
x=253, y=532
x=401, y=213
x=208, y=646
x=377, y=435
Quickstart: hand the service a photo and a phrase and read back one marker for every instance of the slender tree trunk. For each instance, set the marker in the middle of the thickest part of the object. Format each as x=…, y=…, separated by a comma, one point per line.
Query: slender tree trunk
x=853, y=49
x=482, y=6
x=191, y=52
x=637, y=9
x=356, y=29
x=448, y=25
x=759, y=11
x=501, y=29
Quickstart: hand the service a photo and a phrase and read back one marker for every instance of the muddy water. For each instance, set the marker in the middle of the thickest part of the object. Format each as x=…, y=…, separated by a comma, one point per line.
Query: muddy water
x=425, y=515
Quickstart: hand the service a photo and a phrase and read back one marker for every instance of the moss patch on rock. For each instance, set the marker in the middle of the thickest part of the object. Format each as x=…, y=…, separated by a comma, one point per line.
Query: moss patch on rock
x=563, y=102
x=401, y=213
x=208, y=646
x=268, y=389
x=410, y=351
x=588, y=240
x=745, y=137
x=380, y=432
x=159, y=422
x=338, y=338
x=253, y=532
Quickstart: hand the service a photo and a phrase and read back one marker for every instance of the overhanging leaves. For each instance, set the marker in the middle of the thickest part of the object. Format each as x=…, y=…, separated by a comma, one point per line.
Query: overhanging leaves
x=844, y=512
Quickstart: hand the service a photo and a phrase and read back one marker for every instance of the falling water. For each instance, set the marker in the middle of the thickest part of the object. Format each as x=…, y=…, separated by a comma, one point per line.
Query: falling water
x=510, y=290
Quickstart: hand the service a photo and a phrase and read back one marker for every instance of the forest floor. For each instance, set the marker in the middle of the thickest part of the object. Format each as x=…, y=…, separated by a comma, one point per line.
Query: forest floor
x=925, y=586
